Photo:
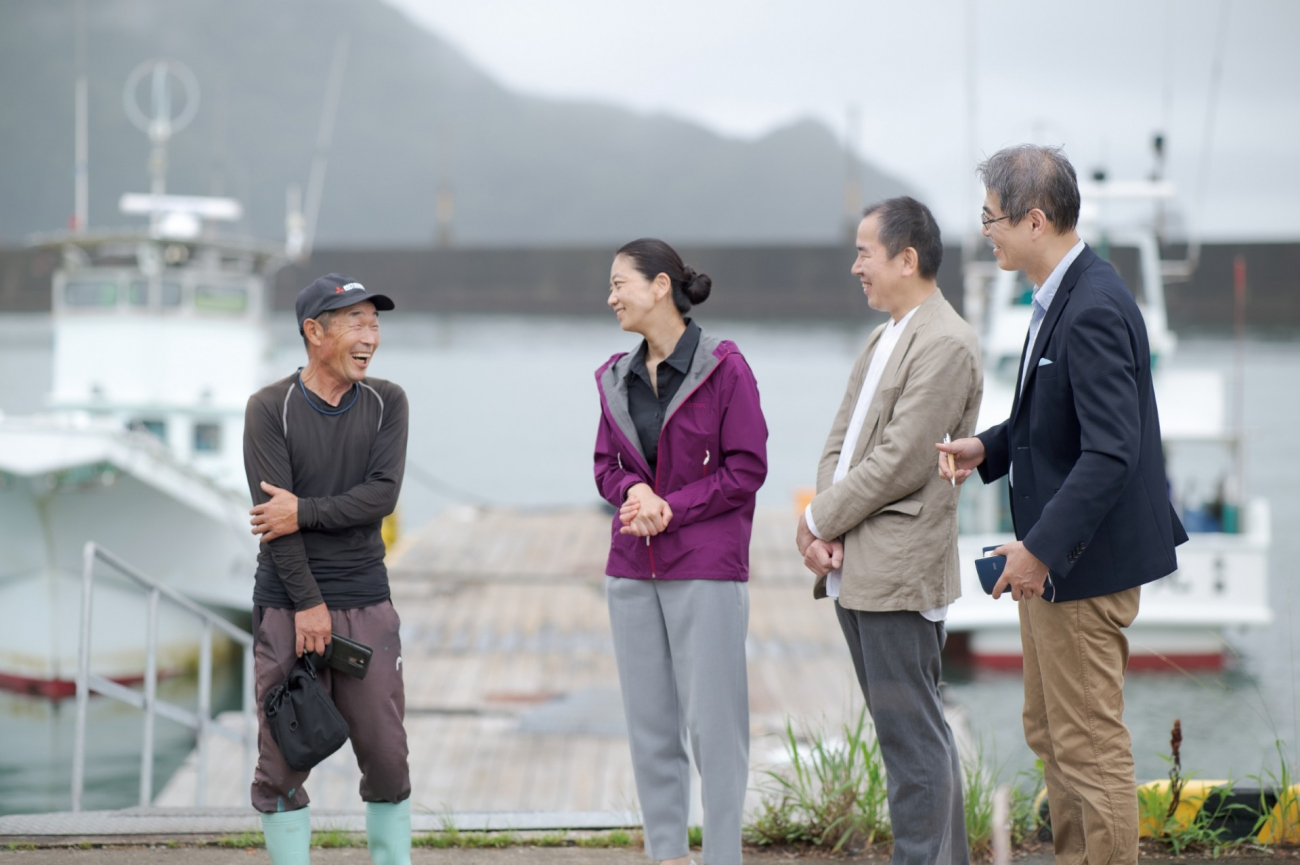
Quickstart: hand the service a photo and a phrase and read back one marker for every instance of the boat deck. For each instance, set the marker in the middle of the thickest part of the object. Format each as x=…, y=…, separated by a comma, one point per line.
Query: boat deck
x=511, y=688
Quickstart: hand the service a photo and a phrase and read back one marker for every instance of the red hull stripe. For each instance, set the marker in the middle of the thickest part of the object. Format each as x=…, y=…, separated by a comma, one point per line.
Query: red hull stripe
x=60, y=689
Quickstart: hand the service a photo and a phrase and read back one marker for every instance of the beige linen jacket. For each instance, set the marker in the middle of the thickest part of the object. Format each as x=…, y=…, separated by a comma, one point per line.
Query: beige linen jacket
x=896, y=516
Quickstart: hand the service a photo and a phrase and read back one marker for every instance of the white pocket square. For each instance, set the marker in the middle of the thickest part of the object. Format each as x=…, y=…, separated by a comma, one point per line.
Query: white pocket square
x=1042, y=361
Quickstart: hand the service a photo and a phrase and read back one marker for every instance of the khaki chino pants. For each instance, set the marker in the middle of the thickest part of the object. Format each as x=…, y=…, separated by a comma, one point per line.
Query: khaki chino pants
x=1075, y=657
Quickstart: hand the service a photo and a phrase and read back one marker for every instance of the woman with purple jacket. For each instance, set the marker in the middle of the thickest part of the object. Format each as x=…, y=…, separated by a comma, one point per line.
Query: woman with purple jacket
x=681, y=452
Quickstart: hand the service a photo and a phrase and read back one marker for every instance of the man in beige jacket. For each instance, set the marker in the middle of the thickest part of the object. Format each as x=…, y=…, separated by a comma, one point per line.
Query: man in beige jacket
x=881, y=533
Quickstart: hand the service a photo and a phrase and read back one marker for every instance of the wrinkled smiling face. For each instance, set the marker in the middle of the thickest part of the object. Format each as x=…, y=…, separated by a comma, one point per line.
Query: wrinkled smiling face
x=350, y=341
x=881, y=276
x=631, y=295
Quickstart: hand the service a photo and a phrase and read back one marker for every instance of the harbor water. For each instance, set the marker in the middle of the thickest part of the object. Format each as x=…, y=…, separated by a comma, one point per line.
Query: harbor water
x=503, y=412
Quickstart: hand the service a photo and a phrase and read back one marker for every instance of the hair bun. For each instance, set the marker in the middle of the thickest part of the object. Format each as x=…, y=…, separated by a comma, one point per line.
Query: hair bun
x=696, y=285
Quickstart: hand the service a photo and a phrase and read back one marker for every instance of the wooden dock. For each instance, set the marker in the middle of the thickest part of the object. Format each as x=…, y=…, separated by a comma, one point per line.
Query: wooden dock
x=511, y=688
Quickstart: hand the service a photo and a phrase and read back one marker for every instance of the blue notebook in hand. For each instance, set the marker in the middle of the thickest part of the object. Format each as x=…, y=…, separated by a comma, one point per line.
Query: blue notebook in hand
x=989, y=567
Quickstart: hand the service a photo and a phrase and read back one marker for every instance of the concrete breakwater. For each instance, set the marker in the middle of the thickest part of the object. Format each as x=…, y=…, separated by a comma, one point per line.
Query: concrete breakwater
x=809, y=282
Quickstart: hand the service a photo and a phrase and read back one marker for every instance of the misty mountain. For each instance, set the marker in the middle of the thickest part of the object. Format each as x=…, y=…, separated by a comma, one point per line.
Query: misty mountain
x=414, y=115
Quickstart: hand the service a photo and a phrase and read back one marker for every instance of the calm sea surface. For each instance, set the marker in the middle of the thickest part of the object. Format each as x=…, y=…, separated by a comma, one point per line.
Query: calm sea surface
x=503, y=410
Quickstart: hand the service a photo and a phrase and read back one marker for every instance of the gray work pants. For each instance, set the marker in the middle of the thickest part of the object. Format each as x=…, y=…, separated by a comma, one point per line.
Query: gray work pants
x=373, y=707
x=896, y=657
x=680, y=646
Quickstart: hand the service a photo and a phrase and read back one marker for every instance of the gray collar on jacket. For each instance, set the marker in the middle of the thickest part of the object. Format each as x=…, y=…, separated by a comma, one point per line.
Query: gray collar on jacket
x=614, y=385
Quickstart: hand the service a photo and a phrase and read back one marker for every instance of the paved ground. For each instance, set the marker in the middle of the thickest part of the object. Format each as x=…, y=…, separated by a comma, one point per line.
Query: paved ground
x=508, y=856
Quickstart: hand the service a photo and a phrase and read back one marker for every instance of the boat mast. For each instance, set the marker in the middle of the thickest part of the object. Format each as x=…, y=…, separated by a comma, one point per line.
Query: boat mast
x=81, y=203
x=324, y=136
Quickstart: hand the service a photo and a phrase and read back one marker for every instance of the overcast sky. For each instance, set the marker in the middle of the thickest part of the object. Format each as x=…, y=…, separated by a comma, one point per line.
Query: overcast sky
x=1099, y=77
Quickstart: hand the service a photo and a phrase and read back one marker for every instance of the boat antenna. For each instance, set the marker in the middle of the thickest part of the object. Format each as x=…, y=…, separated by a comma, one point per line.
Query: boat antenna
x=324, y=136
x=161, y=125
x=972, y=96
x=1211, y=109
x=81, y=193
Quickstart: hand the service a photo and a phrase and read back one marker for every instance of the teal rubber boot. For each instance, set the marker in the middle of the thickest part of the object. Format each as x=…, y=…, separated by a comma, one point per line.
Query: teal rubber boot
x=388, y=832
x=288, y=837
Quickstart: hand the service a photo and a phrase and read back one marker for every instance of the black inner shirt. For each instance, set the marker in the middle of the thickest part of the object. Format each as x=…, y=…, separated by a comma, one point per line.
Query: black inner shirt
x=648, y=409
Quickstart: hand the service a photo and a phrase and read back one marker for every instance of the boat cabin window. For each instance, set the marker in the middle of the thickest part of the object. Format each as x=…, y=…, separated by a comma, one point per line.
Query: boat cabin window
x=90, y=292
x=171, y=293
x=137, y=294
x=207, y=437
x=232, y=298
x=154, y=426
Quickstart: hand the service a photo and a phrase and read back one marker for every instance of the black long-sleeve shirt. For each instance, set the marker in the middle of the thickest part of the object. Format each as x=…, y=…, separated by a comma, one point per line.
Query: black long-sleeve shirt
x=345, y=464
x=647, y=407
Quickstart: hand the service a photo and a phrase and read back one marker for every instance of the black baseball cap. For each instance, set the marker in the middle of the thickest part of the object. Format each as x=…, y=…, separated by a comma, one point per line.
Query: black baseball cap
x=335, y=291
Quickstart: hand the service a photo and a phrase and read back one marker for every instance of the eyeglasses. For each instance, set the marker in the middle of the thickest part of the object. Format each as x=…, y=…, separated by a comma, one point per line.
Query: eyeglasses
x=986, y=222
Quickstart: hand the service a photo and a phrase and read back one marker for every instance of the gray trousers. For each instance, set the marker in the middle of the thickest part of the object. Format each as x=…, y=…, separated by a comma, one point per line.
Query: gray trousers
x=680, y=647
x=373, y=707
x=896, y=657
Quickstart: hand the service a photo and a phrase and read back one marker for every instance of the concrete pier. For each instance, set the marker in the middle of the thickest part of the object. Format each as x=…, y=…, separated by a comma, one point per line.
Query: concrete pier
x=514, y=716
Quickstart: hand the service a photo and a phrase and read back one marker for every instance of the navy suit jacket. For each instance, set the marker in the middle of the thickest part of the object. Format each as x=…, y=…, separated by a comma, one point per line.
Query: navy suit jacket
x=1090, y=497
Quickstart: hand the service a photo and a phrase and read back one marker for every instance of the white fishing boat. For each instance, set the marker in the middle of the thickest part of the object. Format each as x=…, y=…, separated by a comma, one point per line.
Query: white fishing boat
x=1222, y=577
x=159, y=337
x=157, y=344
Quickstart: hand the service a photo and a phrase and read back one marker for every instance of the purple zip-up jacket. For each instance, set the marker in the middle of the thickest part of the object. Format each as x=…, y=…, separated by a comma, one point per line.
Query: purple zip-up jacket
x=712, y=460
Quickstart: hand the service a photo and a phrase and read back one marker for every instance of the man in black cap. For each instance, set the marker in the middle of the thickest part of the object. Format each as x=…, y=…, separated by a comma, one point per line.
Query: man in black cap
x=324, y=451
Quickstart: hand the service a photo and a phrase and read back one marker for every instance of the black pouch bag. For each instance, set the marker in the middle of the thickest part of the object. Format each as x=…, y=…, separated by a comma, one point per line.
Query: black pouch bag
x=304, y=721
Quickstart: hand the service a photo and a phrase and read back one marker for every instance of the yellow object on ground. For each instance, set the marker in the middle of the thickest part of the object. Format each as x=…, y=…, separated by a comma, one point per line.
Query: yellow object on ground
x=1283, y=825
x=1153, y=805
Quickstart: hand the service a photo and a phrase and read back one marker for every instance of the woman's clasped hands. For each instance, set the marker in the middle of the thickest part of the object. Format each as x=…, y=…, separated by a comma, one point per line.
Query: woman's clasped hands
x=643, y=513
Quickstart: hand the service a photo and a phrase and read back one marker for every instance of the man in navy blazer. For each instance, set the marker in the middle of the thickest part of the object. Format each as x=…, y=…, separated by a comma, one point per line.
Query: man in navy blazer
x=1089, y=498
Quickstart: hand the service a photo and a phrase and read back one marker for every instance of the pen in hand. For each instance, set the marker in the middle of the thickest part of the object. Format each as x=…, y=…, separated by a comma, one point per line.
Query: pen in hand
x=952, y=463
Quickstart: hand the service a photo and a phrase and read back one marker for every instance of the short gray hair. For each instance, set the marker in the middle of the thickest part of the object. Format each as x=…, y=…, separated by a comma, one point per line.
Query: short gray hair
x=324, y=320
x=1033, y=175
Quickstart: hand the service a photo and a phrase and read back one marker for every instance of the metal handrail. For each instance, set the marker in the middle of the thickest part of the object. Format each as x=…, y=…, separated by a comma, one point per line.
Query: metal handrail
x=200, y=721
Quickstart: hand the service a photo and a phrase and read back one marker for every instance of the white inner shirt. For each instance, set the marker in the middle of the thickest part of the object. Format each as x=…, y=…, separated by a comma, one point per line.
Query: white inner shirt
x=879, y=360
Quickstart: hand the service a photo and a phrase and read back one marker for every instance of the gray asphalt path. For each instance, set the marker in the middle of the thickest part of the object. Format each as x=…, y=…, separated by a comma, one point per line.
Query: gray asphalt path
x=507, y=856
x=358, y=856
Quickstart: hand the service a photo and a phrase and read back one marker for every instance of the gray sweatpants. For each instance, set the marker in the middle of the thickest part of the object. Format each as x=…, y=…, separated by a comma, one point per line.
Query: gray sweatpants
x=896, y=657
x=680, y=646
x=373, y=707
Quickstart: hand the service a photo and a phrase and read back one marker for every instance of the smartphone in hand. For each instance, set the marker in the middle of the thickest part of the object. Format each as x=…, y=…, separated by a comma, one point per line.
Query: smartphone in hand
x=990, y=567
x=347, y=656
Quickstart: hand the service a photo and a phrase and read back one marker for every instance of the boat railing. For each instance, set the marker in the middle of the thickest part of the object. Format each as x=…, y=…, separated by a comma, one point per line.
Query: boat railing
x=201, y=721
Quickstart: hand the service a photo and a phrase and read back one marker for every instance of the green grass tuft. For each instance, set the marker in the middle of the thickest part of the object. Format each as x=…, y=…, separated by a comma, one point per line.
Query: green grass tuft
x=981, y=779
x=243, y=841
x=550, y=839
x=452, y=838
x=334, y=837
x=833, y=796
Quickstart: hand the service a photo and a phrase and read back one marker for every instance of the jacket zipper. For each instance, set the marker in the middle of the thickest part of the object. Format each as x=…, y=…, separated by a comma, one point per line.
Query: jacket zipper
x=649, y=551
x=659, y=459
